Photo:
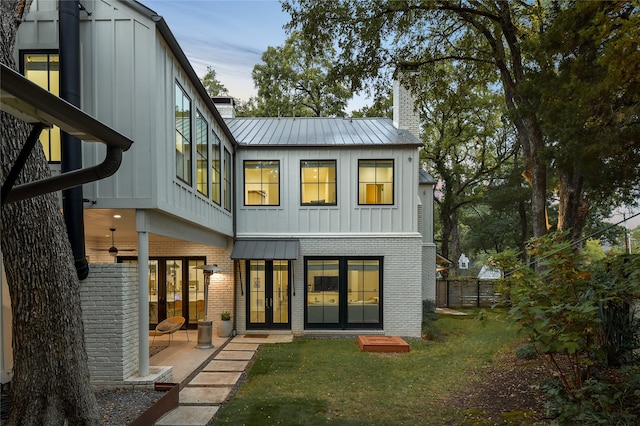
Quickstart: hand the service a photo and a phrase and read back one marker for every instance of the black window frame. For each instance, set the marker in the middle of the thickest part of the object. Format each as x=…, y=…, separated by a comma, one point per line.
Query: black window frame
x=318, y=183
x=393, y=180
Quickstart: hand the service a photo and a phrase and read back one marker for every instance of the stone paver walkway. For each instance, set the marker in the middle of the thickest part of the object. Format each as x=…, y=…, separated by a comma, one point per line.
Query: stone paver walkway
x=200, y=399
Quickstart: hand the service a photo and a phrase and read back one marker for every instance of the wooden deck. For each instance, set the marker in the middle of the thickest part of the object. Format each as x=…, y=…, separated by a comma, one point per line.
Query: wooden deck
x=382, y=344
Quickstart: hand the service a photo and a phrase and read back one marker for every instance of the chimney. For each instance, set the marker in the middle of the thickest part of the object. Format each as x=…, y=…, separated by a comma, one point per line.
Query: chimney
x=405, y=116
x=225, y=105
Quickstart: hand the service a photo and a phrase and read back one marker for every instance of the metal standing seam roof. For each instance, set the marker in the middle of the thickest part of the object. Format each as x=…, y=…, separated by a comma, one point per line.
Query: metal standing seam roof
x=318, y=131
x=266, y=249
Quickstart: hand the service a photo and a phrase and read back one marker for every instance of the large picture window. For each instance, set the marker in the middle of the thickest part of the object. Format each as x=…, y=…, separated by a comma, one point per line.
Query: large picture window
x=216, y=168
x=318, y=183
x=375, y=182
x=343, y=292
x=261, y=183
x=183, y=135
x=202, y=154
x=43, y=68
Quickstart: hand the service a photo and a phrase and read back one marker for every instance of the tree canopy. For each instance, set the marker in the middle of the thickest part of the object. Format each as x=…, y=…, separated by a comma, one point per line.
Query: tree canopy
x=518, y=43
x=211, y=83
x=292, y=82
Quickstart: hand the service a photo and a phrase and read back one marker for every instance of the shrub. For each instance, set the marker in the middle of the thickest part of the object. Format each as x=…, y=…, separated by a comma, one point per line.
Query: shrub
x=526, y=351
x=430, y=330
x=225, y=316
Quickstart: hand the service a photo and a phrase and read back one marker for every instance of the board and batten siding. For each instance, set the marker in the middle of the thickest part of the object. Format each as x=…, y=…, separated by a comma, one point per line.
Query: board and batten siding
x=291, y=218
x=128, y=77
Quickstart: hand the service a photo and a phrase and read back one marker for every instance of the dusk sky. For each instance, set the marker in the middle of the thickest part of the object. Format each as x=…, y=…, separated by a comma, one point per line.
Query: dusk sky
x=229, y=36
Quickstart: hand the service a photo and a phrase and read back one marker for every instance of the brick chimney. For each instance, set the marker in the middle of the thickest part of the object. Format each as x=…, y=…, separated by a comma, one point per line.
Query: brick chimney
x=405, y=116
x=225, y=105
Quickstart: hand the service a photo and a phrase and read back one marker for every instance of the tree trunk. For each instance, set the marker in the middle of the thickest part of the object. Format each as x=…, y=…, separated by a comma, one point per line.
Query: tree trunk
x=50, y=385
x=572, y=207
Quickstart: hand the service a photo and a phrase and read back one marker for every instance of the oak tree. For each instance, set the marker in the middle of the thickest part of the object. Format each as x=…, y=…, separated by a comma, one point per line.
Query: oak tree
x=50, y=384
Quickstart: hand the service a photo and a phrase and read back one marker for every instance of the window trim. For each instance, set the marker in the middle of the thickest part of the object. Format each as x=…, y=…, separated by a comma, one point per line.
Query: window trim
x=200, y=118
x=228, y=173
x=244, y=187
x=21, y=67
x=216, y=173
x=343, y=294
x=187, y=178
x=318, y=183
x=393, y=181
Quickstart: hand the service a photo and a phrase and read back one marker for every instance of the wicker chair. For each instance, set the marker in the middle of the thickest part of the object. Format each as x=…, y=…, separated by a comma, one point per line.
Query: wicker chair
x=170, y=326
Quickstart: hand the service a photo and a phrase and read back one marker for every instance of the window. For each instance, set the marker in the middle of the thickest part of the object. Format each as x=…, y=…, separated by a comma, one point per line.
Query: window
x=215, y=168
x=375, y=182
x=227, y=180
x=318, y=183
x=202, y=154
x=43, y=68
x=183, y=135
x=261, y=183
x=343, y=292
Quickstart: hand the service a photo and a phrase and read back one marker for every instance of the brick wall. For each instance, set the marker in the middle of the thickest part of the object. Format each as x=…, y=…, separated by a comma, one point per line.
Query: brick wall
x=402, y=279
x=110, y=313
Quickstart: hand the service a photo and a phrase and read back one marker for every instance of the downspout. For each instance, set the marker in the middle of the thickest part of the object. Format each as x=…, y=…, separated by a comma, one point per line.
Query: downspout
x=71, y=149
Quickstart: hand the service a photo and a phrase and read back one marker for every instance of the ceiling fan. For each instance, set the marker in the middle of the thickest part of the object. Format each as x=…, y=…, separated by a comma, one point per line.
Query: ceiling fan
x=113, y=250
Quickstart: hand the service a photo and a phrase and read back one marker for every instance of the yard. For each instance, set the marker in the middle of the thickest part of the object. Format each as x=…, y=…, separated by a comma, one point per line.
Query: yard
x=469, y=377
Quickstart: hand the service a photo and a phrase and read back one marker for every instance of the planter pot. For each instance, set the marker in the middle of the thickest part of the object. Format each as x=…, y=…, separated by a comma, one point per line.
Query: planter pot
x=224, y=328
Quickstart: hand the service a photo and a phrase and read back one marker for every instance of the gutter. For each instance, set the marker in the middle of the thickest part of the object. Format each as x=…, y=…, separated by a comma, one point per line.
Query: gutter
x=35, y=105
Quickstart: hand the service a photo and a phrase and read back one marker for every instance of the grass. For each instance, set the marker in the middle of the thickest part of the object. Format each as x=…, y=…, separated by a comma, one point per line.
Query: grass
x=330, y=381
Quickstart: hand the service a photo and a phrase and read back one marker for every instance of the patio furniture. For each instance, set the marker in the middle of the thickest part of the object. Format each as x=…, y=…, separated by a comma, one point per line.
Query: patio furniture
x=170, y=326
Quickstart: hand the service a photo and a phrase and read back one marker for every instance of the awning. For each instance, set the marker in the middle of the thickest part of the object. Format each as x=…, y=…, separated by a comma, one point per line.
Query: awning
x=266, y=249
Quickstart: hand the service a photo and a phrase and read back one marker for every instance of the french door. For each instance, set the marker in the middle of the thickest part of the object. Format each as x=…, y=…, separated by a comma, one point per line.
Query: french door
x=268, y=294
x=176, y=288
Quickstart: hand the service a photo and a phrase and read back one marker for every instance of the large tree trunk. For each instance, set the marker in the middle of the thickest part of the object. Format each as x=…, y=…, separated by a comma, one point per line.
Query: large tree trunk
x=51, y=377
x=572, y=207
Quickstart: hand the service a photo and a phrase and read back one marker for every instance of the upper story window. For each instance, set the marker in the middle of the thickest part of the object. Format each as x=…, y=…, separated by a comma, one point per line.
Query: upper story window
x=202, y=154
x=216, y=168
x=261, y=183
x=318, y=183
x=183, y=135
x=227, y=179
x=375, y=182
x=43, y=68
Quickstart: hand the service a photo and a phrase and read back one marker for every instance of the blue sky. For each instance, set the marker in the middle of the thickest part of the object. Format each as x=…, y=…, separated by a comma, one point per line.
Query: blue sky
x=230, y=36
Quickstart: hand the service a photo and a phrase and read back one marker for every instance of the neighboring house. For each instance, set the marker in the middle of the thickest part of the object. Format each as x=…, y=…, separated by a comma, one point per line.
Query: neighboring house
x=329, y=228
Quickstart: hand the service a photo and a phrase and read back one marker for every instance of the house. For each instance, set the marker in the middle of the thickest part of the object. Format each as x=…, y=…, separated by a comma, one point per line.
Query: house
x=318, y=225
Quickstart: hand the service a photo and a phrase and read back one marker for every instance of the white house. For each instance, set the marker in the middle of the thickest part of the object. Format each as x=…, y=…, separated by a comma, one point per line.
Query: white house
x=318, y=225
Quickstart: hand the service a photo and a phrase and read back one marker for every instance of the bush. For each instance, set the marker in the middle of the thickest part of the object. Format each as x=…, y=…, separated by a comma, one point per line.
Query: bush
x=615, y=401
x=430, y=330
x=526, y=351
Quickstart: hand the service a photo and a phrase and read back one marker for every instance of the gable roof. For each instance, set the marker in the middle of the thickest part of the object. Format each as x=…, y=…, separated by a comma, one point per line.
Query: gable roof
x=424, y=177
x=318, y=131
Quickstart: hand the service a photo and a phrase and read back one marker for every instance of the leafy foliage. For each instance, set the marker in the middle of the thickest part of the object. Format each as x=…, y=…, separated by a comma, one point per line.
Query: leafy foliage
x=293, y=82
x=211, y=83
x=579, y=320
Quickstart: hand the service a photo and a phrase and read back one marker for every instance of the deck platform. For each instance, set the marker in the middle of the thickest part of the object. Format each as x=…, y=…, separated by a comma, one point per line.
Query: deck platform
x=382, y=344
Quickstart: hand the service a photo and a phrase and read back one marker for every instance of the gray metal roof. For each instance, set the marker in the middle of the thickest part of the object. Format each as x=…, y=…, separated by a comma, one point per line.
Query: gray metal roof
x=425, y=177
x=318, y=131
x=275, y=249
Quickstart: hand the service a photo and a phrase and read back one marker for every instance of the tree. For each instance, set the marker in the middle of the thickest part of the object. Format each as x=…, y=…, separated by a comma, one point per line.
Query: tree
x=51, y=376
x=465, y=141
x=293, y=82
x=588, y=89
x=211, y=83
x=509, y=37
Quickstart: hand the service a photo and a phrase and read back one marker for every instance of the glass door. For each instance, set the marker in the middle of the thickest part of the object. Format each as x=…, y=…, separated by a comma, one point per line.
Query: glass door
x=268, y=294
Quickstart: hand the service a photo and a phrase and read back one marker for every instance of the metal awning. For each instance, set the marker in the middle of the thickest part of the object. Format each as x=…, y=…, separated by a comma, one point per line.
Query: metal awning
x=266, y=249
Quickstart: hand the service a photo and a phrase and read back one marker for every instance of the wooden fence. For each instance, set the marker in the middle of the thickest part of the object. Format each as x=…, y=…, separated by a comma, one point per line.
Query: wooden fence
x=465, y=293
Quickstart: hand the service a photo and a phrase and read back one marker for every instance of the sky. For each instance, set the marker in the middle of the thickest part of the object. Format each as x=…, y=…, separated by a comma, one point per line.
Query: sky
x=229, y=36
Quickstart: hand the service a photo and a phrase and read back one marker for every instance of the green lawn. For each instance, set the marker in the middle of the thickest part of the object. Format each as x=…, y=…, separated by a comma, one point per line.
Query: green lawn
x=330, y=381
